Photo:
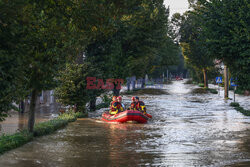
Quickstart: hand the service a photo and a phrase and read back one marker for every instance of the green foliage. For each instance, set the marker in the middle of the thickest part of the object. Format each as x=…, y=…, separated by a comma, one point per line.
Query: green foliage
x=199, y=91
x=72, y=85
x=213, y=91
x=39, y=37
x=8, y=142
x=50, y=126
x=226, y=27
x=201, y=85
x=204, y=90
x=193, y=45
x=240, y=109
x=106, y=98
x=81, y=114
x=11, y=69
x=140, y=44
x=234, y=104
x=239, y=91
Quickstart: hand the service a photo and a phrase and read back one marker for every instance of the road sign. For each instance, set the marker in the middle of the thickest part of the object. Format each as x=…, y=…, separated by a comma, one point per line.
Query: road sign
x=218, y=79
x=233, y=82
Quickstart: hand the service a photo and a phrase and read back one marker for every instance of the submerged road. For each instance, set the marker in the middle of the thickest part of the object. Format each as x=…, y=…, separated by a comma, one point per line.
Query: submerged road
x=186, y=130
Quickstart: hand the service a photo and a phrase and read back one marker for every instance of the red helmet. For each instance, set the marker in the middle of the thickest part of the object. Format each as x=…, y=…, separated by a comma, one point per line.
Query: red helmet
x=133, y=98
x=119, y=98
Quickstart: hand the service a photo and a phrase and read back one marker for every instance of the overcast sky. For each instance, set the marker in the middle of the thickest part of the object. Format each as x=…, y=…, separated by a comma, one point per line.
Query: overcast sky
x=179, y=6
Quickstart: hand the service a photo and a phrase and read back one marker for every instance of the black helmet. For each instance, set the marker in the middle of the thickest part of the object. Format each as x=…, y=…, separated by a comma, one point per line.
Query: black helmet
x=136, y=97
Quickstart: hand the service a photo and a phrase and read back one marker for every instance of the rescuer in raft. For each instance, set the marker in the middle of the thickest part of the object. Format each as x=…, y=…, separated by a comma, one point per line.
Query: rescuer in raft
x=115, y=106
x=132, y=105
x=122, y=105
x=139, y=105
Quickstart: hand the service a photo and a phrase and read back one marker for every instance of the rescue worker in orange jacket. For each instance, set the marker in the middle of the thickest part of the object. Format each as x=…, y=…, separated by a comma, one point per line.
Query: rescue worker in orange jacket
x=140, y=106
x=115, y=106
x=133, y=103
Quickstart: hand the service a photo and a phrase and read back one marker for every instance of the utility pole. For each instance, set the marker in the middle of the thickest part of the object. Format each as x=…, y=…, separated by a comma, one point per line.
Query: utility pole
x=226, y=86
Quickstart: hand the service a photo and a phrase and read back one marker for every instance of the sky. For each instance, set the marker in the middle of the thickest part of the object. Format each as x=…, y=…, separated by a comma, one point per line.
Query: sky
x=179, y=6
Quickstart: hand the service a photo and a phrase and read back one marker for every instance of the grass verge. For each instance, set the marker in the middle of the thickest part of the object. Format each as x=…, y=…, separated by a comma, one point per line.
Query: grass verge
x=201, y=85
x=189, y=82
x=237, y=107
x=204, y=90
x=8, y=142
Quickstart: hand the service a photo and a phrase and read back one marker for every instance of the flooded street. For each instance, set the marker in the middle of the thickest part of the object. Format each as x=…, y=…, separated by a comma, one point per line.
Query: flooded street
x=186, y=130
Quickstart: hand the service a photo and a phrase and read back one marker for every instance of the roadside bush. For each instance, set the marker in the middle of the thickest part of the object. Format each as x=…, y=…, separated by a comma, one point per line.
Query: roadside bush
x=240, y=109
x=199, y=91
x=201, y=85
x=189, y=81
x=234, y=104
x=213, y=91
x=81, y=114
x=8, y=142
x=204, y=90
x=239, y=91
x=48, y=127
x=194, y=82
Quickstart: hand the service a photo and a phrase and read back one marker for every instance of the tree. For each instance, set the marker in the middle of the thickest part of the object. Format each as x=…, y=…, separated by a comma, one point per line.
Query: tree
x=44, y=35
x=140, y=43
x=12, y=87
x=72, y=89
x=226, y=27
x=194, y=46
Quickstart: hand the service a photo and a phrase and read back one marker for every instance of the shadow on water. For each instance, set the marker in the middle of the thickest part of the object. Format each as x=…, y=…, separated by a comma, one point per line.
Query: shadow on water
x=183, y=132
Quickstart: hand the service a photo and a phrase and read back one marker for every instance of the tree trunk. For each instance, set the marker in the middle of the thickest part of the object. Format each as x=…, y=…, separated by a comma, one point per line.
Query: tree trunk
x=116, y=92
x=92, y=104
x=205, y=78
x=31, y=120
x=22, y=107
x=226, y=82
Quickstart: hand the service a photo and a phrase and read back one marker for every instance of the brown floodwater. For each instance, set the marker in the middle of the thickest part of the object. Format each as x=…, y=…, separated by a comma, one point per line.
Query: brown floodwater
x=186, y=130
x=17, y=121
